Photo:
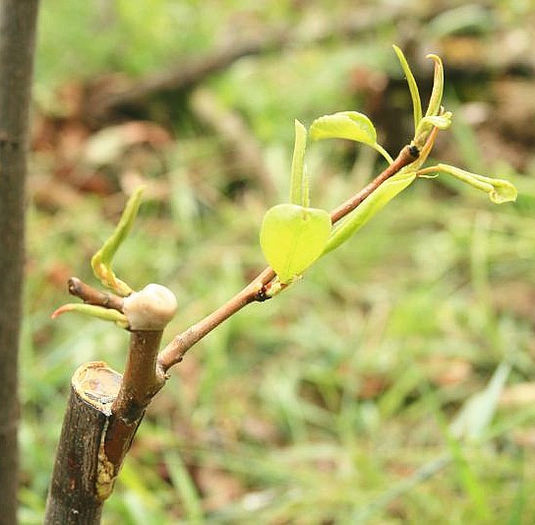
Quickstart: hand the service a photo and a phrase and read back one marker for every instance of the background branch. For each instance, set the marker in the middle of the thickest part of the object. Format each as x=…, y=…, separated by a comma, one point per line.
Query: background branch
x=192, y=71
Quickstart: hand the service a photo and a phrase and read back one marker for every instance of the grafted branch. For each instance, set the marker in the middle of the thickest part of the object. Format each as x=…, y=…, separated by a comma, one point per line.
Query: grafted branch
x=81, y=479
x=255, y=291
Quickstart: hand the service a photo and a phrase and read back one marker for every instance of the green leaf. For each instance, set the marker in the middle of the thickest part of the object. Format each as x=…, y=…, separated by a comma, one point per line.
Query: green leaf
x=101, y=261
x=299, y=182
x=106, y=314
x=369, y=207
x=498, y=190
x=476, y=415
x=293, y=237
x=349, y=125
x=438, y=87
x=344, y=125
x=413, y=87
x=441, y=122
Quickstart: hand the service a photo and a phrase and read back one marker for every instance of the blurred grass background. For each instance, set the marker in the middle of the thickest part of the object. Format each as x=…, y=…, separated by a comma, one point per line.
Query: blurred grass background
x=334, y=402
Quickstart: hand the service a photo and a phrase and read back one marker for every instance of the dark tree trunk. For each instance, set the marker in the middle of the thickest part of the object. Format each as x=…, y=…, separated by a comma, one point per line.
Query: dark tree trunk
x=81, y=480
x=103, y=414
x=17, y=44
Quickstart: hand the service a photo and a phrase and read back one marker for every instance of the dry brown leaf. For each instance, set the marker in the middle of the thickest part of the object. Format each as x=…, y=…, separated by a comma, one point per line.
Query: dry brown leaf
x=447, y=371
x=518, y=395
x=218, y=487
x=524, y=437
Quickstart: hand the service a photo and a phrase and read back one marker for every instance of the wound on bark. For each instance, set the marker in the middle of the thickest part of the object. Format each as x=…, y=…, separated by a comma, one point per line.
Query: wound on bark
x=82, y=478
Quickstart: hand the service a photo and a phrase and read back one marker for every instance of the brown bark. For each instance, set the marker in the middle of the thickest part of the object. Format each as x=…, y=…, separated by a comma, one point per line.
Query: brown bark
x=81, y=481
x=142, y=380
x=17, y=44
x=89, y=295
x=103, y=414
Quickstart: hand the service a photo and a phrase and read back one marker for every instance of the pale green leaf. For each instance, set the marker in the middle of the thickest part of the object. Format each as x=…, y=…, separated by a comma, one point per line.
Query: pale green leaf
x=293, y=237
x=438, y=87
x=299, y=182
x=106, y=314
x=101, y=261
x=498, y=190
x=477, y=413
x=441, y=122
x=369, y=207
x=349, y=125
x=344, y=125
x=413, y=87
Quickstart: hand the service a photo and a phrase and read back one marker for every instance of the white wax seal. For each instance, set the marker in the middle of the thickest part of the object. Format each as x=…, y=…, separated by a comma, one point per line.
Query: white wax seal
x=151, y=308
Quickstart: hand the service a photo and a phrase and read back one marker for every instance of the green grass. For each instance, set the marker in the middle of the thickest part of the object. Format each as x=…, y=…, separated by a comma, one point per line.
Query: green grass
x=328, y=403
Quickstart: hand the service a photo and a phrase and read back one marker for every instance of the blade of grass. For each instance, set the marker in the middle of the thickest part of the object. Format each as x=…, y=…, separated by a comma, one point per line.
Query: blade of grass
x=185, y=486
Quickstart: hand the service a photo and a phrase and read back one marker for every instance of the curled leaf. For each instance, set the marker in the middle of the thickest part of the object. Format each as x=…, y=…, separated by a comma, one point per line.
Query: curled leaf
x=293, y=237
x=99, y=312
x=369, y=207
x=413, y=87
x=299, y=182
x=498, y=190
x=441, y=122
x=438, y=87
x=350, y=125
x=344, y=125
x=101, y=261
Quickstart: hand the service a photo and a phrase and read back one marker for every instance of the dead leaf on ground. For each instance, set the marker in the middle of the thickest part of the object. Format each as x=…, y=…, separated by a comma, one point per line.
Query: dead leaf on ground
x=52, y=194
x=524, y=437
x=448, y=371
x=517, y=298
x=218, y=487
x=108, y=145
x=518, y=395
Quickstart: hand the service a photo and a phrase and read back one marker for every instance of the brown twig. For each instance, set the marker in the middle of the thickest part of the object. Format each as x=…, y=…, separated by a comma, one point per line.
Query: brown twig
x=141, y=381
x=141, y=378
x=405, y=157
x=255, y=291
x=90, y=295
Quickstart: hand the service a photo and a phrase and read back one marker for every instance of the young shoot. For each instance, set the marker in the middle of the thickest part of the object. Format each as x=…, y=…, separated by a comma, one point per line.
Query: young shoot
x=293, y=237
x=498, y=190
x=101, y=261
x=149, y=309
x=299, y=192
x=93, y=311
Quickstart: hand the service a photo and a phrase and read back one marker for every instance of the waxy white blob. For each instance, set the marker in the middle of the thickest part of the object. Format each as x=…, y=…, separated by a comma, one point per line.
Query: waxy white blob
x=151, y=308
